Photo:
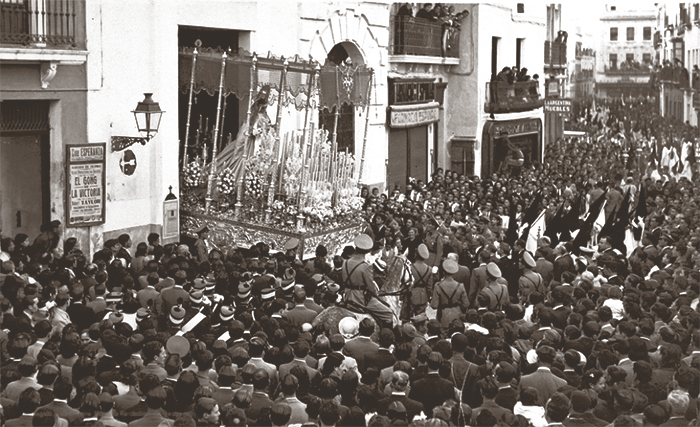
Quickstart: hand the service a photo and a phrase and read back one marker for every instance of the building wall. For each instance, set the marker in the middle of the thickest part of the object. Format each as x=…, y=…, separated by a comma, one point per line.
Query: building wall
x=622, y=20
x=511, y=25
x=132, y=52
x=67, y=118
x=133, y=49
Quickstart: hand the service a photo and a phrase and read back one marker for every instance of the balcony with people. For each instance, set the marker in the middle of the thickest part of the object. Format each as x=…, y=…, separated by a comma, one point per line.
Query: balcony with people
x=511, y=91
x=555, y=52
x=629, y=67
x=42, y=24
x=431, y=33
x=674, y=73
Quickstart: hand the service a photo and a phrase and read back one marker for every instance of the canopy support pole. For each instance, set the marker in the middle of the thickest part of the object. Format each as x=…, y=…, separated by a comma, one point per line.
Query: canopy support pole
x=189, y=105
x=364, y=138
x=275, y=154
x=249, y=135
x=212, y=170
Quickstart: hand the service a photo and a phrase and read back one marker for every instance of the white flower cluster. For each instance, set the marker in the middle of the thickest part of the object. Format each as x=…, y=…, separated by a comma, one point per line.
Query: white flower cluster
x=253, y=185
x=319, y=212
x=193, y=175
x=227, y=182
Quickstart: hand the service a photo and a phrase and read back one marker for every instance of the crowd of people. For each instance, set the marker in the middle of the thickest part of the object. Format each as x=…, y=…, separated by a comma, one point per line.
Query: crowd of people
x=445, y=17
x=489, y=332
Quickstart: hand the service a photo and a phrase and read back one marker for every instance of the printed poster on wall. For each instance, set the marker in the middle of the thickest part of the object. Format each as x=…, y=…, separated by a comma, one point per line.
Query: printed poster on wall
x=85, y=184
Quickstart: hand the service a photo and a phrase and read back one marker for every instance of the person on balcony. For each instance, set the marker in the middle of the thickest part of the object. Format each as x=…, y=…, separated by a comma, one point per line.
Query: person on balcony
x=522, y=91
x=424, y=13
x=438, y=13
x=403, y=16
x=405, y=10
x=535, y=86
x=523, y=76
x=562, y=36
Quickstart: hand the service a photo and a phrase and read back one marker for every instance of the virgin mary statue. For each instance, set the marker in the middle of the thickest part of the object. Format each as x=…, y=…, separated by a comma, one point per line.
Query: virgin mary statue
x=232, y=155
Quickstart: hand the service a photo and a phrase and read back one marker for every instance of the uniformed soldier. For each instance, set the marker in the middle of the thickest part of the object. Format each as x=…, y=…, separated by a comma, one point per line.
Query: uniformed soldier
x=422, y=281
x=449, y=296
x=529, y=281
x=360, y=288
x=291, y=247
x=495, y=290
x=200, y=246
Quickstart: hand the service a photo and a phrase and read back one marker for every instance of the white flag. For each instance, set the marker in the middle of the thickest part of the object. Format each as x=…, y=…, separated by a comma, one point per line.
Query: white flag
x=536, y=231
x=630, y=243
x=599, y=223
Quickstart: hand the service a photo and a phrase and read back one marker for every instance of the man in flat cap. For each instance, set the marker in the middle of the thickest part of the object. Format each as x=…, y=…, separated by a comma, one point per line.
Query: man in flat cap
x=360, y=288
x=449, y=297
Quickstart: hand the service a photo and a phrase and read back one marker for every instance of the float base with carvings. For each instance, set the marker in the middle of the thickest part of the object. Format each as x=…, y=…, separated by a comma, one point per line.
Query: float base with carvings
x=226, y=233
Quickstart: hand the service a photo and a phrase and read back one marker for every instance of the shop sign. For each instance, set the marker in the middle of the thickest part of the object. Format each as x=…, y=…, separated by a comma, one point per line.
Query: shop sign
x=408, y=116
x=515, y=127
x=85, y=184
x=561, y=106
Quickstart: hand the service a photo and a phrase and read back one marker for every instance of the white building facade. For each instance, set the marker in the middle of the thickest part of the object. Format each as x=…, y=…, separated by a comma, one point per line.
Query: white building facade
x=625, y=56
x=81, y=88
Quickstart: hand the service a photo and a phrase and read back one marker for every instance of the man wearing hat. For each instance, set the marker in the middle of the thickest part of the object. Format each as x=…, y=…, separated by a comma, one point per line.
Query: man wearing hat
x=169, y=297
x=291, y=246
x=529, y=281
x=422, y=281
x=399, y=385
x=176, y=318
x=267, y=279
x=288, y=281
x=449, y=296
x=360, y=289
x=200, y=246
x=495, y=290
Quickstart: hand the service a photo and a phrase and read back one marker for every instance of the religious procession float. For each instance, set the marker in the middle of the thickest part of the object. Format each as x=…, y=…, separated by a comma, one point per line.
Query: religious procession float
x=261, y=185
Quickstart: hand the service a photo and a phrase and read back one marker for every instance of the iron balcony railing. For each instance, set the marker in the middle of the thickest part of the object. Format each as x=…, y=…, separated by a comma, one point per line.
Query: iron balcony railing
x=643, y=70
x=674, y=75
x=555, y=54
x=38, y=22
x=504, y=97
x=417, y=36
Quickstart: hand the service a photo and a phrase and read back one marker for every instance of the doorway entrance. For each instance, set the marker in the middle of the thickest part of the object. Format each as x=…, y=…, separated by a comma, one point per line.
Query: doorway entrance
x=408, y=156
x=24, y=167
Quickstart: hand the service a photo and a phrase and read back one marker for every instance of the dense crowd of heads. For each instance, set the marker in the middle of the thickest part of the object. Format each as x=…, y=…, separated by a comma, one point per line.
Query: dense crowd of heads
x=176, y=335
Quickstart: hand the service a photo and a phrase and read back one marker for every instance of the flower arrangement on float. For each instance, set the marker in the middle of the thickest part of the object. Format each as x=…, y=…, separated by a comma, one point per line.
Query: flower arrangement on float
x=226, y=184
x=193, y=174
x=285, y=182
